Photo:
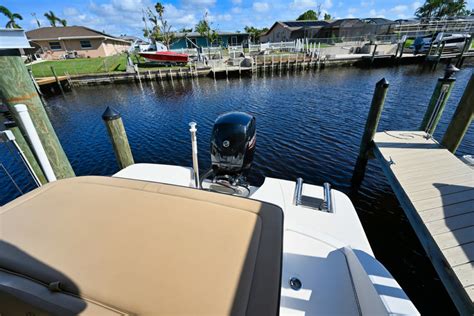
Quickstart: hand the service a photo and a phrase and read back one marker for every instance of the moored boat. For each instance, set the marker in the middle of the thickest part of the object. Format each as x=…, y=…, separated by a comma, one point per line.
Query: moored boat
x=165, y=57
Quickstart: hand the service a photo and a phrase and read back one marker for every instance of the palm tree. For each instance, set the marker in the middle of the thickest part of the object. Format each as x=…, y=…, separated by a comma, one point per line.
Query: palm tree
x=11, y=24
x=442, y=8
x=52, y=18
x=63, y=22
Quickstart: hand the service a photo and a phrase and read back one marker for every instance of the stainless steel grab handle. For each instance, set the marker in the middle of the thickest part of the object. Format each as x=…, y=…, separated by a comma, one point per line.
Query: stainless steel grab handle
x=298, y=191
x=328, y=197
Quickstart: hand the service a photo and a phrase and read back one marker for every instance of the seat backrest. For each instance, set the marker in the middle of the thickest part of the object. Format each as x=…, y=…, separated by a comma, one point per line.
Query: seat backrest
x=147, y=248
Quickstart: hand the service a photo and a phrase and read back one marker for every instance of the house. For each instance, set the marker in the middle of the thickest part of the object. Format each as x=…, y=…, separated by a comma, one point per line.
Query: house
x=193, y=39
x=78, y=41
x=356, y=27
x=291, y=30
x=379, y=26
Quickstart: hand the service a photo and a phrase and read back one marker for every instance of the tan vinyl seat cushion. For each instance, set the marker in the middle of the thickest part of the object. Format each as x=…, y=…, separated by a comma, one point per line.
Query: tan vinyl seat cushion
x=146, y=248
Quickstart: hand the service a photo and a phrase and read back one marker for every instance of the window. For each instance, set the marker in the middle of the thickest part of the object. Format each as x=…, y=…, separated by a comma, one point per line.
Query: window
x=86, y=44
x=55, y=45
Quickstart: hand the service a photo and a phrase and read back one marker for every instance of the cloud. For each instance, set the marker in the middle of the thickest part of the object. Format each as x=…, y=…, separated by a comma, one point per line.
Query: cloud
x=377, y=14
x=399, y=9
x=367, y=3
x=236, y=1
x=351, y=10
x=197, y=3
x=415, y=5
x=236, y=10
x=129, y=5
x=223, y=17
x=261, y=6
x=327, y=4
x=70, y=11
x=303, y=4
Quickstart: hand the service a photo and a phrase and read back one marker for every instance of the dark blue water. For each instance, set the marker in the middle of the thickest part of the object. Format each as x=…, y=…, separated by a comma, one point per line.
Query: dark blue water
x=308, y=125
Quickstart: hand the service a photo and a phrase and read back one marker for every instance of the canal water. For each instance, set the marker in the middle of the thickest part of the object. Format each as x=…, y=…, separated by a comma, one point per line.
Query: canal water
x=309, y=125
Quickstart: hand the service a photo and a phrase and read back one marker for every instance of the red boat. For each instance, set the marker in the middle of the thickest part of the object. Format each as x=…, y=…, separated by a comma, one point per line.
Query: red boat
x=166, y=57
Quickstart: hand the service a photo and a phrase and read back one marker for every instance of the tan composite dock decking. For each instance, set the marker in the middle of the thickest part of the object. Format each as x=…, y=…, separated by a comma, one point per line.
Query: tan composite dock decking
x=436, y=191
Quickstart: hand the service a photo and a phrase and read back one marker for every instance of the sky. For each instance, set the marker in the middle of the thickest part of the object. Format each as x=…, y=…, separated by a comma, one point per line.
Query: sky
x=118, y=17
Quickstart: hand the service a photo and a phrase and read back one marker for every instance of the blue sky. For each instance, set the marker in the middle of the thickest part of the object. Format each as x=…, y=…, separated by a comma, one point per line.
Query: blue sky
x=124, y=16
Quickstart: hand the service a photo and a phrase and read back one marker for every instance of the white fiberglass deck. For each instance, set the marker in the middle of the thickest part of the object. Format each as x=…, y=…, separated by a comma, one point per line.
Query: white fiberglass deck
x=436, y=190
x=328, y=252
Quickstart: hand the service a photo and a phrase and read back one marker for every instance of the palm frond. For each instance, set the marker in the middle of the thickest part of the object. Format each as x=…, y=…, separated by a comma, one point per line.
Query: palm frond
x=17, y=16
x=5, y=11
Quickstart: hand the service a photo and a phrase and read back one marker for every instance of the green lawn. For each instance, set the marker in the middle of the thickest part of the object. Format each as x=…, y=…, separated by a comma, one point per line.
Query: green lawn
x=80, y=66
x=83, y=66
x=409, y=42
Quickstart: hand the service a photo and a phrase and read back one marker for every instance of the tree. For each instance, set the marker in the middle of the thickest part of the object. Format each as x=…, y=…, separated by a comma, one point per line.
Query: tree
x=255, y=33
x=204, y=28
x=327, y=17
x=311, y=15
x=52, y=18
x=442, y=8
x=161, y=29
x=308, y=15
x=11, y=24
x=185, y=30
x=63, y=22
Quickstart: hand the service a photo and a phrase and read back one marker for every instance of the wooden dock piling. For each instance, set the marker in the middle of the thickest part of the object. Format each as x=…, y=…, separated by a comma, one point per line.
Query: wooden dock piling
x=118, y=137
x=16, y=87
x=58, y=82
x=461, y=120
x=371, y=124
x=437, y=103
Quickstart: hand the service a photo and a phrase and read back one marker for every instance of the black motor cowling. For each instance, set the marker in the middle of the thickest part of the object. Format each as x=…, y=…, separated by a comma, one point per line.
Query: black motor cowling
x=233, y=143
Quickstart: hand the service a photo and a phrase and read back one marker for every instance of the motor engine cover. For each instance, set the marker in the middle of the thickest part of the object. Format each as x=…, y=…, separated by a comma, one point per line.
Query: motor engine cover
x=233, y=143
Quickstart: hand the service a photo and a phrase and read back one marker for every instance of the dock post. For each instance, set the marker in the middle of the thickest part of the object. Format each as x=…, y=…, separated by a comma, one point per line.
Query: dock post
x=371, y=124
x=373, y=54
x=437, y=102
x=461, y=120
x=25, y=148
x=58, y=82
x=118, y=137
x=440, y=54
x=16, y=87
x=467, y=44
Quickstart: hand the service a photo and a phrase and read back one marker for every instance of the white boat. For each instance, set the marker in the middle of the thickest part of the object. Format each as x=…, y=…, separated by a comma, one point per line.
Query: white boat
x=162, y=240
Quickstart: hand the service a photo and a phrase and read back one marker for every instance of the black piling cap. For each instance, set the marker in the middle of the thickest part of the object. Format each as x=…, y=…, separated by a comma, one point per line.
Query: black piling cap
x=382, y=83
x=110, y=114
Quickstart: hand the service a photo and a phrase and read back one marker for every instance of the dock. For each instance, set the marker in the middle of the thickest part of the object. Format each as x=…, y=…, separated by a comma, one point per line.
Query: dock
x=436, y=191
x=50, y=80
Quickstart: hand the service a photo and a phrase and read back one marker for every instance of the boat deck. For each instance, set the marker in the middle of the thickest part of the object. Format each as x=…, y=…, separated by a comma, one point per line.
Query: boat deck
x=436, y=191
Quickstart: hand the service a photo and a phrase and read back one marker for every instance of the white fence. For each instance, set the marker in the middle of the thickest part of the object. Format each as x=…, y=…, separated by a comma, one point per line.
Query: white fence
x=189, y=51
x=235, y=51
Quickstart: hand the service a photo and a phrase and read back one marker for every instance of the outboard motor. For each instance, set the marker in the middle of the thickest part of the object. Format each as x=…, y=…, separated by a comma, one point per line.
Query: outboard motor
x=233, y=142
